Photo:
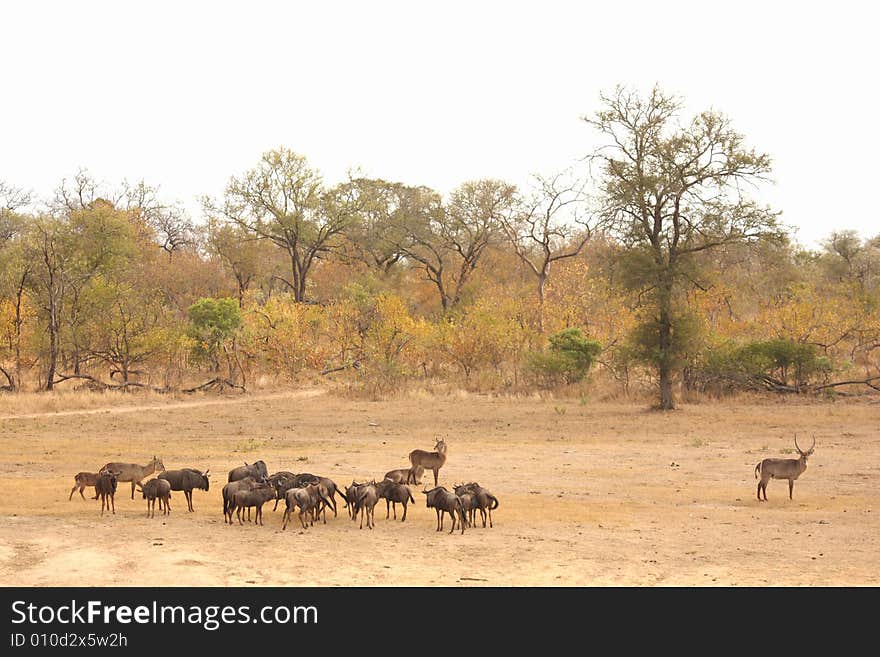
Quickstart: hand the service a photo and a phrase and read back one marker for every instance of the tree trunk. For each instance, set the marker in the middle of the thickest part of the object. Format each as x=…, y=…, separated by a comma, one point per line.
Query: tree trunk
x=666, y=355
x=53, y=345
x=542, y=280
x=18, y=322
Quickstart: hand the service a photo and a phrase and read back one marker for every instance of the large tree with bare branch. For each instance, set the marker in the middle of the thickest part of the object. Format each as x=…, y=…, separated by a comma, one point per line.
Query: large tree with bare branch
x=670, y=190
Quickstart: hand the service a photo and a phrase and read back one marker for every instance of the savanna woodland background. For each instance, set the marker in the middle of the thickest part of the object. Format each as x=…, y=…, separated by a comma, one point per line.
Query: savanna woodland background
x=647, y=269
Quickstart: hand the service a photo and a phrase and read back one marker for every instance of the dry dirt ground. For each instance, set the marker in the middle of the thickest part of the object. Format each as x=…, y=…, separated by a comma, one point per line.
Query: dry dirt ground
x=591, y=494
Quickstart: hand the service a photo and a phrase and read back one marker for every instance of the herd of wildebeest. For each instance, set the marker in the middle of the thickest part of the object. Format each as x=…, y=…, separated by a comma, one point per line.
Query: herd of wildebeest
x=250, y=486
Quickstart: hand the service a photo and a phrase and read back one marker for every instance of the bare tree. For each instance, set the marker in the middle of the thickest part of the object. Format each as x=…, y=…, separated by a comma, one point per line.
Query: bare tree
x=449, y=240
x=545, y=228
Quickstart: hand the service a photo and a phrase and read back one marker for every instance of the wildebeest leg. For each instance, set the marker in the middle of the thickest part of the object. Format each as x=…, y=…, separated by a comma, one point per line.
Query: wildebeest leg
x=759, y=491
x=72, y=490
x=790, y=487
x=387, y=508
x=394, y=508
x=133, y=482
x=452, y=515
x=277, y=499
x=113, y=502
x=438, y=519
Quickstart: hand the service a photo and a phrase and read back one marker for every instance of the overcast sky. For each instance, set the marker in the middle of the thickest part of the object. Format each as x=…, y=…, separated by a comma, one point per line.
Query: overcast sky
x=185, y=94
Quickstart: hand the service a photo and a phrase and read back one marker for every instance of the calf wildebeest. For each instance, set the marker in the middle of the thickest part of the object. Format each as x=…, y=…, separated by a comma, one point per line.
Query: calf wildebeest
x=789, y=469
x=393, y=493
x=185, y=480
x=482, y=500
x=257, y=470
x=229, y=490
x=255, y=497
x=82, y=480
x=135, y=473
x=442, y=501
x=411, y=475
x=105, y=488
x=430, y=460
x=156, y=489
x=307, y=498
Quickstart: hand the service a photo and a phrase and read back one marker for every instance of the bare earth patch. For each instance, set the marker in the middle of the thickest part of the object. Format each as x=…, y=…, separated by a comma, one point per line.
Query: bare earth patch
x=591, y=495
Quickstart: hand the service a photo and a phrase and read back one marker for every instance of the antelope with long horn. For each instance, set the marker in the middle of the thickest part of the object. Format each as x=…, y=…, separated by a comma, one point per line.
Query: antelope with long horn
x=789, y=469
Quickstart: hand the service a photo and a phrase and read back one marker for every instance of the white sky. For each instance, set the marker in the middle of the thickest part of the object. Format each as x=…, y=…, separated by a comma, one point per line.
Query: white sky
x=185, y=94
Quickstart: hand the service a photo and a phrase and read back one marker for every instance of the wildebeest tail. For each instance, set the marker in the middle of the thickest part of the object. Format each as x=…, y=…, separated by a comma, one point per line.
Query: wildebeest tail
x=757, y=470
x=494, y=500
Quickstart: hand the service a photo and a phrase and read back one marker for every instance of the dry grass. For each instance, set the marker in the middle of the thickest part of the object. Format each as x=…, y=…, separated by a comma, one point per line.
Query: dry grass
x=591, y=494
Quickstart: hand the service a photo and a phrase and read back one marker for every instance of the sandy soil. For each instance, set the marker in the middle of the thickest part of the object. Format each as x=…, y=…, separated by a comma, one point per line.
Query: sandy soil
x=591, y=495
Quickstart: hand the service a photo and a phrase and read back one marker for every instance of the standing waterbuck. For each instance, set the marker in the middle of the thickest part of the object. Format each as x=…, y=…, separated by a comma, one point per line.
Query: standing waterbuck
x=789, y=469
x=135, y=473
x=429, y=460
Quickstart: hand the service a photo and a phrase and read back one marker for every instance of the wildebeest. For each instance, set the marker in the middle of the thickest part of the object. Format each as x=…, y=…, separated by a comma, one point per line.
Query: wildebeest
x=185, y=480
x=350, y=497
x=133, y=472
x=393, y=493
x=282, y=482
x=257, y=470
x=789, y=469
x=307, y=498
x=255, y=497
x=156, y=489
x=105, y=488
x=482, y=500
x=442, y=501
x=229, y=490
x=367, y=496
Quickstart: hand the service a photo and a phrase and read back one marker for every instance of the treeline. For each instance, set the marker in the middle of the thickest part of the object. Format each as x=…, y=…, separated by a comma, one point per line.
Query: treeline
x=653, y=272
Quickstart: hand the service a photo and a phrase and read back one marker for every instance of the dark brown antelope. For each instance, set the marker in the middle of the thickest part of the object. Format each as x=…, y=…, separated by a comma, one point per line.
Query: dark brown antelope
x=133, y=472
x=789, y=469
x=429, y=460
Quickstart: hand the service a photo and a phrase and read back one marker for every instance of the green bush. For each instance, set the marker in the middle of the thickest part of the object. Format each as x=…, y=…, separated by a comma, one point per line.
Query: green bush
x=776, y=363
x=568, y=358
